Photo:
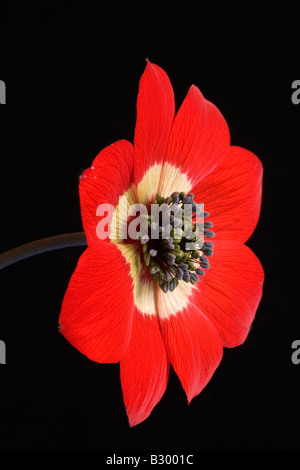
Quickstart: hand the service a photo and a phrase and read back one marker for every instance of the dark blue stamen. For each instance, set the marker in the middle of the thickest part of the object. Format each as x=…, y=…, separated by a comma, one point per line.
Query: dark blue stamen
x=208, y=224
x=209, y=234
x=174, y=248
x=208, y=251
x=200, y=272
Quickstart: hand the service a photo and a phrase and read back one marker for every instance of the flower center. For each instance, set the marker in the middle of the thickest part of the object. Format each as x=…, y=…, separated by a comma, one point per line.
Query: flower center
x=173, y=244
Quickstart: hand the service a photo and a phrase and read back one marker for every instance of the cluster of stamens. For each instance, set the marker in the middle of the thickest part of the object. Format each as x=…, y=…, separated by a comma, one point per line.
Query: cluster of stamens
x=175, y=250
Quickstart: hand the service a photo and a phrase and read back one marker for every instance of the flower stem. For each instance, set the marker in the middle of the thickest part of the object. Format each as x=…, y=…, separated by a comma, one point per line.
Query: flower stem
x=37, y=247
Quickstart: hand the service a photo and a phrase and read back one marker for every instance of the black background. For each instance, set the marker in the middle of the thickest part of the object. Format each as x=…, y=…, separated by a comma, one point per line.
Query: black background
x=72, y=76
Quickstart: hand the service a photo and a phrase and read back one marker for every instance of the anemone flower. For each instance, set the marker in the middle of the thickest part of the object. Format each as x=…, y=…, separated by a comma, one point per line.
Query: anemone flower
x=148, y=303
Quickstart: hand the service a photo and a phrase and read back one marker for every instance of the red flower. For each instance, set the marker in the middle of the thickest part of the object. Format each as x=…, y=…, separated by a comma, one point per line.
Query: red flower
x=115, y=308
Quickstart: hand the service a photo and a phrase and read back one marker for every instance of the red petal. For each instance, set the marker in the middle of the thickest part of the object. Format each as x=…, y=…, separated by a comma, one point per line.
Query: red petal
x=232, y=195
x=144, y=368
x=199, y=138
x=230, y=291
x=103, y=183
x=193, y=346
x=155, y=115
x=96, y=314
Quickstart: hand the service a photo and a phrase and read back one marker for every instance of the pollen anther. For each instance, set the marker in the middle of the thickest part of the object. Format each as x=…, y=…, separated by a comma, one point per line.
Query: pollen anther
x=177, y=252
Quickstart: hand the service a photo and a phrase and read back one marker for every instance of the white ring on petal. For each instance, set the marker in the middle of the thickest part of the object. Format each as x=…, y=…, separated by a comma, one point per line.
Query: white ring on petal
x=165, y=178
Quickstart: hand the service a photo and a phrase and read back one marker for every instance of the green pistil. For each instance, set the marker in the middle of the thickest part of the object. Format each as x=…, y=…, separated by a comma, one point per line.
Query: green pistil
x=167, y=256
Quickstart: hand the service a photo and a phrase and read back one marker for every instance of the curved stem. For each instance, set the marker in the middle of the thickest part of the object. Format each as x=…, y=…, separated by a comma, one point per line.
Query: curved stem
x=37, y=247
